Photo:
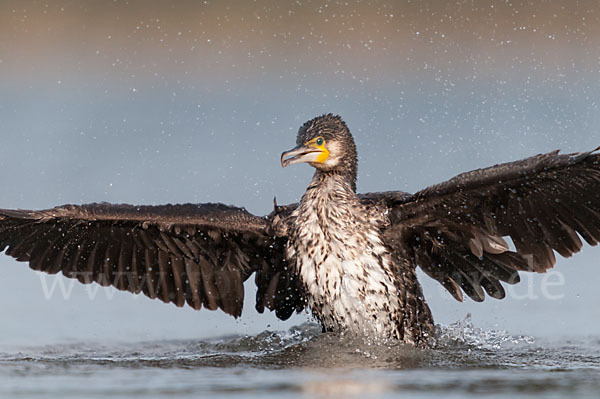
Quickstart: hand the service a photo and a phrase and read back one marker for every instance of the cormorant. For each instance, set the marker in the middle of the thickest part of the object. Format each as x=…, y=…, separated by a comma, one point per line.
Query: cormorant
x=350, y=258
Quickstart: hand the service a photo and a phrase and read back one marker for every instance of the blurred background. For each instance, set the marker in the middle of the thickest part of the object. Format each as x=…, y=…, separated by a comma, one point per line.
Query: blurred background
x=152, y=102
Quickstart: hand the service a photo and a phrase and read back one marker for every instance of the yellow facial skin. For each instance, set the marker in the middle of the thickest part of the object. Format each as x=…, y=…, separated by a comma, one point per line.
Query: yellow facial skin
x=319, y=144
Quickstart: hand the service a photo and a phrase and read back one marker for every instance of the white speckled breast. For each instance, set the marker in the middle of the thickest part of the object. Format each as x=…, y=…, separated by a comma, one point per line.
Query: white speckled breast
x=342, y=261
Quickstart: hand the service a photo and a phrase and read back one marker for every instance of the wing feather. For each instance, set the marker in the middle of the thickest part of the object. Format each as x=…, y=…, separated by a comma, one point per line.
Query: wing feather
x=199, y=254
x=454, y=230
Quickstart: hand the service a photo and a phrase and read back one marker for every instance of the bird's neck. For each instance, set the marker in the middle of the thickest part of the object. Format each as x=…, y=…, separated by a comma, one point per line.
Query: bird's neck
x=342, y=180
x=324, y=191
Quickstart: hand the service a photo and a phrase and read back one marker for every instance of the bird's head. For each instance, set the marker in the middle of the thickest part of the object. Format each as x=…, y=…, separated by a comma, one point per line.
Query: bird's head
x=326, y=144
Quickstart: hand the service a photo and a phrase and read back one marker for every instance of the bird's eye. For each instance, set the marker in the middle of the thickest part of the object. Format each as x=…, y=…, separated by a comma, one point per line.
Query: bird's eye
x=320, y=141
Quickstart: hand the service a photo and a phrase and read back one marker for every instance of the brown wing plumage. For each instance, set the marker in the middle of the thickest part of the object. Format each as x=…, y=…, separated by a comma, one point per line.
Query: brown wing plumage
x=454, y=230
x=195, y=254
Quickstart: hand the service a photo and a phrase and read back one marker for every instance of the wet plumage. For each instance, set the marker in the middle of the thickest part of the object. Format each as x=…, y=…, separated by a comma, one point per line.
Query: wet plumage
x=349, y=258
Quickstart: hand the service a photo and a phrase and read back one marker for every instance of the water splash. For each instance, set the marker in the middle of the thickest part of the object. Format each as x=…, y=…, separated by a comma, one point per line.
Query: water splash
x=267, y=341
x=464, y=334
x=303, y=343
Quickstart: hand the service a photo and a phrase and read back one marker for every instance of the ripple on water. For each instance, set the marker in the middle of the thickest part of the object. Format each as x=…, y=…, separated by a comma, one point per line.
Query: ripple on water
x=466, y=361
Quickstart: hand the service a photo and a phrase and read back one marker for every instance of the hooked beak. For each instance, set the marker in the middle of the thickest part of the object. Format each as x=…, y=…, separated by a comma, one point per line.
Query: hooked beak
x=302, y=153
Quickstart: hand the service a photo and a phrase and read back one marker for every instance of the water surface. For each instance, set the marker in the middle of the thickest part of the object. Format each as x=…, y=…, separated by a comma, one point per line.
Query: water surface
x=302, y=362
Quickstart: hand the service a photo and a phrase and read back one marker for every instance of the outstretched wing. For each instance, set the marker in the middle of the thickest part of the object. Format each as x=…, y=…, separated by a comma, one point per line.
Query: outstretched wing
x=195, y=254
x=454, y=230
